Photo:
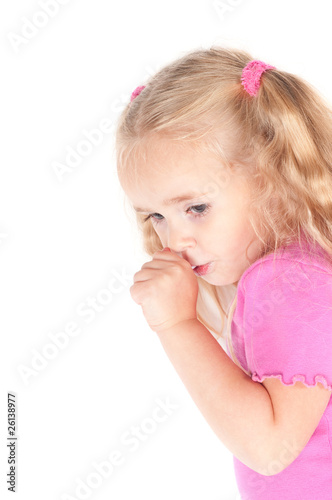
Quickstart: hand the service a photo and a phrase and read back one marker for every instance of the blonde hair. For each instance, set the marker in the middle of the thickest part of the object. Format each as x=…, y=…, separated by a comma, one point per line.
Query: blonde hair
x=280, y=139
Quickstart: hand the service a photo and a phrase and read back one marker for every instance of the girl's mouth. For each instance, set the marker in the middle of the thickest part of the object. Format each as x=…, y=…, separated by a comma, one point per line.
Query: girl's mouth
x=203, y=269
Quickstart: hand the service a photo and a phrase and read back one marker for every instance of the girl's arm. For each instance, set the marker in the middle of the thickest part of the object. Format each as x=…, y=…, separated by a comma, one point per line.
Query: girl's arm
x=265, y=425
x=264, y=430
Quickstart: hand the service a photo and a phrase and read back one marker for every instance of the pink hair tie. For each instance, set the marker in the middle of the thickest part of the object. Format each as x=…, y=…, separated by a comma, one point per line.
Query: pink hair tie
x=137, y=92
x=251, y=75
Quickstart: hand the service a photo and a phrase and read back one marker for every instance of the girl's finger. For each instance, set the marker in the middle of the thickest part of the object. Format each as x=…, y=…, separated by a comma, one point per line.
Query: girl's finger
x=146, y=274
x=166, y=253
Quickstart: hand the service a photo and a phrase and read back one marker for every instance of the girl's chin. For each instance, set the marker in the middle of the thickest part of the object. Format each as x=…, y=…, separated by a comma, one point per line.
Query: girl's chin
x=218, y=281
x=213, y=280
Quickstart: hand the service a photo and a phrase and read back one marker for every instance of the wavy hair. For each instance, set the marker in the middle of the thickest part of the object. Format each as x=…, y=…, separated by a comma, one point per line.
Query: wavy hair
x=281, y=141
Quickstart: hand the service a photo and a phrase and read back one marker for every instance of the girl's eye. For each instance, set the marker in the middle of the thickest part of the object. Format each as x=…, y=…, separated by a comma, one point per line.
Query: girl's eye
x=200, y=208
x=200, y=211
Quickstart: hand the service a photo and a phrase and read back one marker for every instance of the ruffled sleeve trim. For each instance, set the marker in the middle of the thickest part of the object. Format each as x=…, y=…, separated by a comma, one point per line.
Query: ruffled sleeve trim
x=296, y=378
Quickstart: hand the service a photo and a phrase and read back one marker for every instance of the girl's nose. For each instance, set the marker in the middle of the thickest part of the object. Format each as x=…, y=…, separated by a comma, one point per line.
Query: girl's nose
x=179, y=242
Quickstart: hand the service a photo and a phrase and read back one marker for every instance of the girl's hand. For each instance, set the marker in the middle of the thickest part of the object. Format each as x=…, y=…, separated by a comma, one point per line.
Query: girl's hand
x=167, y=289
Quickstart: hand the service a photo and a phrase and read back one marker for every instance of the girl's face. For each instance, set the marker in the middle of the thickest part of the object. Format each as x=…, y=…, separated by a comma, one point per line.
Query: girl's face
x=212, y=225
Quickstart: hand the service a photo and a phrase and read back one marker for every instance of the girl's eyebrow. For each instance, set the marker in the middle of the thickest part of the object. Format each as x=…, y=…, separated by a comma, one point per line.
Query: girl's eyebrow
x=174, y=201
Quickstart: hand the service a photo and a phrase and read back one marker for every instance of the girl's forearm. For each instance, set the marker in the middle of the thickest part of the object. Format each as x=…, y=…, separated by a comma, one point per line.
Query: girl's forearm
x=238, y=410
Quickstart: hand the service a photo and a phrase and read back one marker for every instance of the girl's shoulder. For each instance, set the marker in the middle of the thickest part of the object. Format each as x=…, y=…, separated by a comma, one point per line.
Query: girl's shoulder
x=283, y=316
x=294, y=259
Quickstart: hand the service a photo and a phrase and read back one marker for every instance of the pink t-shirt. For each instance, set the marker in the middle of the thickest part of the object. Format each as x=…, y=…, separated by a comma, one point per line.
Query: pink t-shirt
x=282, y=327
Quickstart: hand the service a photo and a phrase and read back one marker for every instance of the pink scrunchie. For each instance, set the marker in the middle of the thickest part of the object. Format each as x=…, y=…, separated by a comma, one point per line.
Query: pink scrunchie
x=136, y=92
x=251, y=75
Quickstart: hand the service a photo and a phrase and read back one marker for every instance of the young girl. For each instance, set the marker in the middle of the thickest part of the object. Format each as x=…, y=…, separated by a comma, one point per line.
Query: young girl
x=227, y=162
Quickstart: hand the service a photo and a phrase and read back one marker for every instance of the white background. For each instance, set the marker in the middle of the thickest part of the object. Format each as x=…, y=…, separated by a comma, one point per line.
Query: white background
x=61, y=239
